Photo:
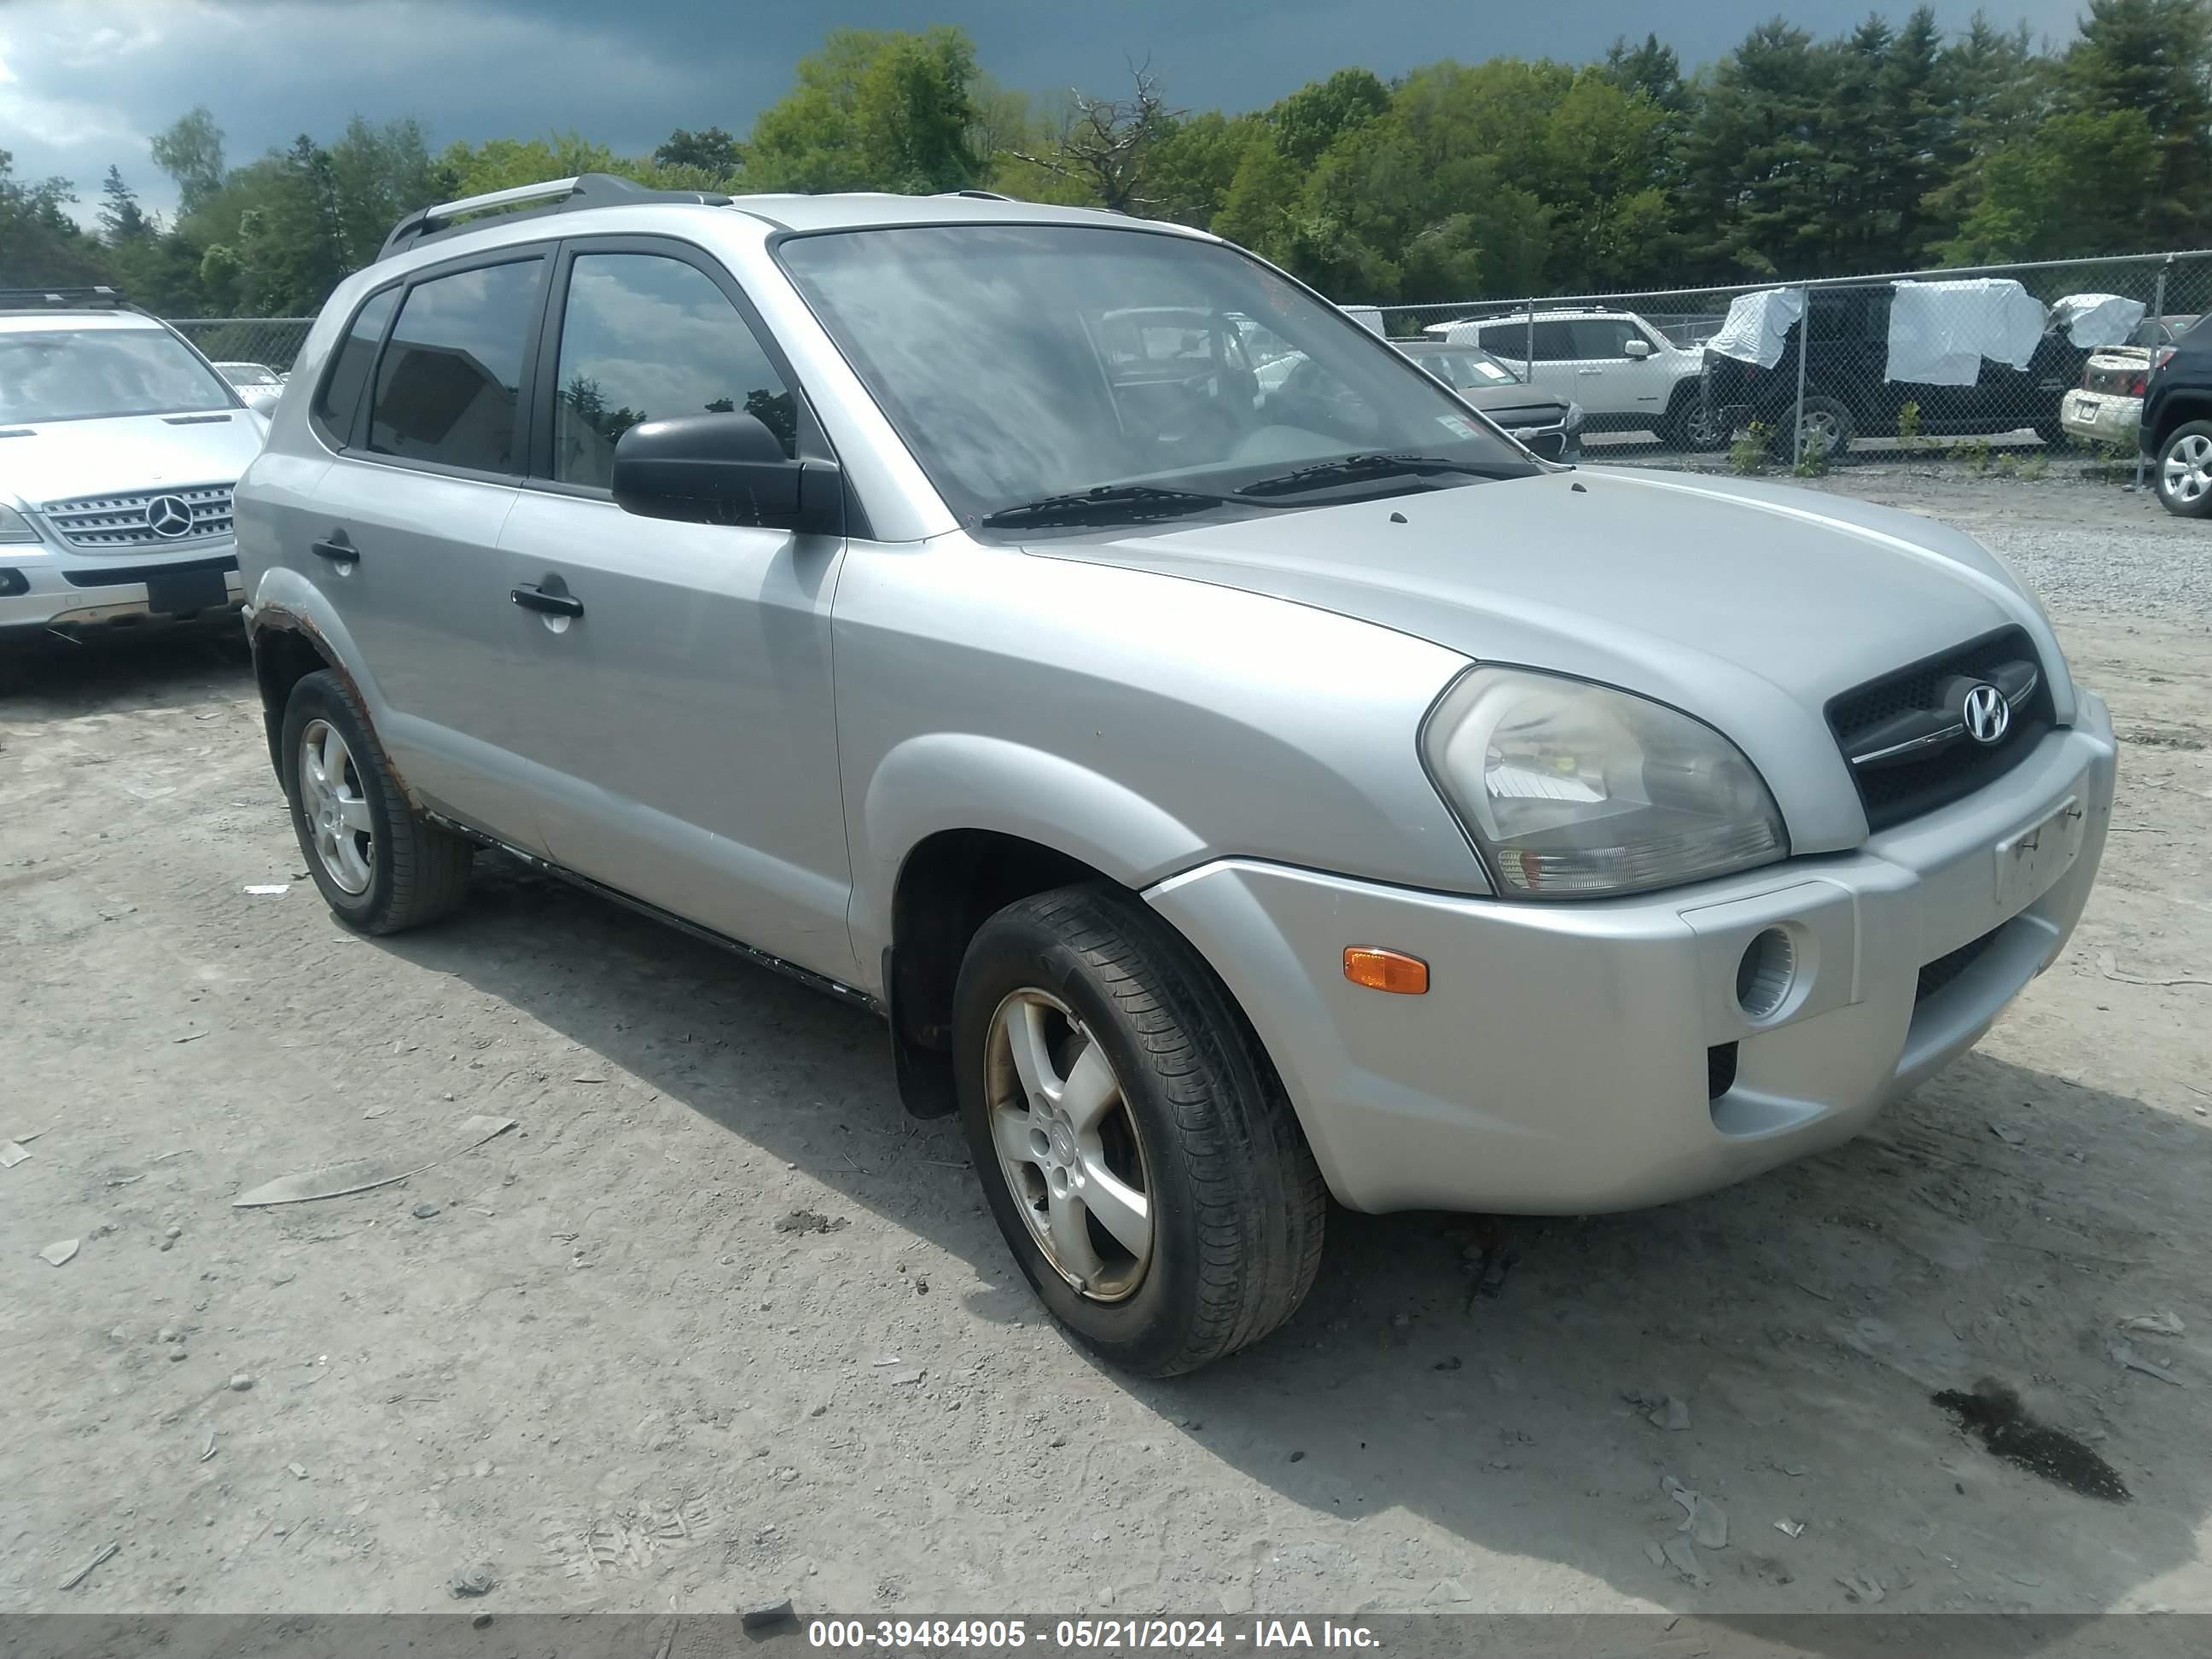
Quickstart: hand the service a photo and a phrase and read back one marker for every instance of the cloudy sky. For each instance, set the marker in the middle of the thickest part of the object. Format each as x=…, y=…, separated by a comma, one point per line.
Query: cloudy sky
x=83, y=81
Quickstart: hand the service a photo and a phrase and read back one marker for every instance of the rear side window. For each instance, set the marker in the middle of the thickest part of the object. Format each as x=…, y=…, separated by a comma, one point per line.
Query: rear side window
x=646, y=337
x=449, y=386
x=1553, y=342
x=339, y=401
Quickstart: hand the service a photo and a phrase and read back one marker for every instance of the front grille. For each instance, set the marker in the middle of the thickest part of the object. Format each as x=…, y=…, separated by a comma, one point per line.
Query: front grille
x=1945, y=968
x=110, y=575
x=1905, y=788
x=99, y=523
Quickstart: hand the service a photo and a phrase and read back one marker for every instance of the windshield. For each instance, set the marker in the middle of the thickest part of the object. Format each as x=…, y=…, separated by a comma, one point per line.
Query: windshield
x=75, y=374
x=1469, y=368
x=1031, y=363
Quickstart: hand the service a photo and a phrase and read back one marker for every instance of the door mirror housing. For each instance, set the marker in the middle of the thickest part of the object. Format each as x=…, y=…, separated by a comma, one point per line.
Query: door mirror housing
x=725, y=468
x=1637, y=348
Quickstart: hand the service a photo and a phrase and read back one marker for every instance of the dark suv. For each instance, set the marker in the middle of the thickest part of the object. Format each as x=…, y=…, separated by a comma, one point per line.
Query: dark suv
x=1848, y=394
x=2176, y=421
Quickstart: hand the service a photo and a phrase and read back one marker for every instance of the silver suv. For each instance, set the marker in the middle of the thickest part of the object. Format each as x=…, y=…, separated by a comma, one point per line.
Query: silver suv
x=118, y=447
x=1229, y=797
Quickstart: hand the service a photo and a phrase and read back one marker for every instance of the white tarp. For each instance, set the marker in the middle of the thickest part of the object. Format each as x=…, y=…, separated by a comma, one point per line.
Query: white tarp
x=1755, y=324
x=2098, y=319
x=1939, y=332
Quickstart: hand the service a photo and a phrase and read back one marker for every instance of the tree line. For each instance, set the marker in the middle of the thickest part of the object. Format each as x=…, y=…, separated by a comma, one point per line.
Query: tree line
x=1890, y=147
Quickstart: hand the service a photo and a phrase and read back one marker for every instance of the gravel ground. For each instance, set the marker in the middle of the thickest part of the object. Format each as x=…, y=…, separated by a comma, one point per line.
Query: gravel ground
x=587, y=1358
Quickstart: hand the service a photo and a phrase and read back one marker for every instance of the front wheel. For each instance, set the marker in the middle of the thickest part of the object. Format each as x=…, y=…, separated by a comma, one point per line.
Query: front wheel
x=1136, y=1147
x=2184, y=471
x=1696, y=427
x=1823, y=422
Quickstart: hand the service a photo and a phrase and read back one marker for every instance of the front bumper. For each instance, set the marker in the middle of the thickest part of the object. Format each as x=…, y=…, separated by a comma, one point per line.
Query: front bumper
x=76, y=596
x=1567, y=1057
x=2100, y=417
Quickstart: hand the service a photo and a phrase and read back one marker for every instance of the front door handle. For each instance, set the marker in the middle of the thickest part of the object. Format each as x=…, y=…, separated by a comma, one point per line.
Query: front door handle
x=532, y=596
x=338, y=549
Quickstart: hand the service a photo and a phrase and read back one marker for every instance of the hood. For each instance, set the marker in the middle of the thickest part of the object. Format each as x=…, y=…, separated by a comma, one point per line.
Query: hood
x=65, y=460
x=1746, y=604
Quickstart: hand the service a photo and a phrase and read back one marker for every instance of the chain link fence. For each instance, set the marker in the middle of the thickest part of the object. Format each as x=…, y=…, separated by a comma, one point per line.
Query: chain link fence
x=1999, y=368
x=273, y=342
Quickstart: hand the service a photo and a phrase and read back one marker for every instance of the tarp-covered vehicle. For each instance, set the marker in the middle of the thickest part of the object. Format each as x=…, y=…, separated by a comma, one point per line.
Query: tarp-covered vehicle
x=1976, y=355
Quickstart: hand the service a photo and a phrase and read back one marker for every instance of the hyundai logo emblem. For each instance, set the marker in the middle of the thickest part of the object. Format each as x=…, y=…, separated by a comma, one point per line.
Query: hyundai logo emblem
x=167, y=515
x=1988, y=715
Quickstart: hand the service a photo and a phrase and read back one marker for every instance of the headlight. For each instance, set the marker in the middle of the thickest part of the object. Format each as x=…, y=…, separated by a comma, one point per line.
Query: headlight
x=14, y=528
x=1571, y=789
x=1574, y=416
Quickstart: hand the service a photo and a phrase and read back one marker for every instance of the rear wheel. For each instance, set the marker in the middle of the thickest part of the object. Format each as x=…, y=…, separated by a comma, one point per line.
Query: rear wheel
x=1135, y=1145
x=1823, y=420
x=2184, y=471
x=378, y=866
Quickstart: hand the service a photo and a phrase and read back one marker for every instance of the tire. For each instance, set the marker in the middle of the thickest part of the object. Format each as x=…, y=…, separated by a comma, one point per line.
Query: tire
x=405, y=872
x=1689, y=428
x=2054, y=435
x=1197, y=1125
x=2185, y=465
x=1819, y=412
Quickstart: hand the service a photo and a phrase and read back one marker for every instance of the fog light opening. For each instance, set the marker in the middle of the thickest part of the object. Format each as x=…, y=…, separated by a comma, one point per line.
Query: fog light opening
x=1765, y=975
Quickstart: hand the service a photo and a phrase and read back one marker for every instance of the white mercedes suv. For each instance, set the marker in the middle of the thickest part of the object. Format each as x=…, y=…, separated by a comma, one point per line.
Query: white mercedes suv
x=119, y=444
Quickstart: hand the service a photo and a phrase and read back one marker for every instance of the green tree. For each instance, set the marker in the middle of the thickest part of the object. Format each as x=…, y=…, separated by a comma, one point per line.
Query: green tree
x=121, y=219
x=40, y=243
x=2154, y=57
x=1320, y=112
x=191, y=152
x=712, y=151
x=873, y=110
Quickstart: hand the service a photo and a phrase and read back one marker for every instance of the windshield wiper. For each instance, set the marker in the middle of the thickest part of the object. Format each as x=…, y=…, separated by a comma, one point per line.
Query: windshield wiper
x=1353, y=468
x=1107, y=504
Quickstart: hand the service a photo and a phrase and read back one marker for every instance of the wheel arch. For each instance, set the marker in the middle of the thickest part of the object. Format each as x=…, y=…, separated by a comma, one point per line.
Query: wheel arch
x=2176, y=410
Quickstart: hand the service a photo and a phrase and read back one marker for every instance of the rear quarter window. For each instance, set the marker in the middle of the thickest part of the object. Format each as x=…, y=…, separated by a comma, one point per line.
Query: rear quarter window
x=448, y=386
x=337, y=404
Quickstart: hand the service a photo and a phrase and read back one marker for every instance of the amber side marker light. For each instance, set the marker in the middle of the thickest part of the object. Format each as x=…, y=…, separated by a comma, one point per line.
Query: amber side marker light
x=1386, y=970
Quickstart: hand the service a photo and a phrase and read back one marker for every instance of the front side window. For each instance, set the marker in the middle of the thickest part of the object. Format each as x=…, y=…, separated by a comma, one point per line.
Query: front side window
x=646, y=337
x=340, y=397
x=451, y=373
x=1603, y=337
x=86, y=373
x=1087, y=372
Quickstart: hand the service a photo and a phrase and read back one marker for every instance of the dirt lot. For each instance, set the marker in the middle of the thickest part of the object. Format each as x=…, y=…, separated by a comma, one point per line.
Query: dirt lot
x=600, y=1368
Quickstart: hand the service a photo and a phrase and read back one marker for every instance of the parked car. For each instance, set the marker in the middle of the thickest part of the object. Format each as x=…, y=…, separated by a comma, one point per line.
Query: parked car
x=1227, y=799
x=1552, y=428
x=1624, y=374
x=2176, y=429
x=118, y=448
x=259, y=384
x=2108, y=407
x=1848, y=394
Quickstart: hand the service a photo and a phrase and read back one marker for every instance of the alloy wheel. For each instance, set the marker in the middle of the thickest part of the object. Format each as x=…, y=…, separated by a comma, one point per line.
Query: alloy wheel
x=336, y=810
x=2186, y=469
x=1068, y=1146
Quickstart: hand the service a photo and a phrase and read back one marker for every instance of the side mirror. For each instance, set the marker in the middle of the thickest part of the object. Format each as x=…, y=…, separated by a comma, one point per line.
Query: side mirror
x=1637, y=348
x=724, y=468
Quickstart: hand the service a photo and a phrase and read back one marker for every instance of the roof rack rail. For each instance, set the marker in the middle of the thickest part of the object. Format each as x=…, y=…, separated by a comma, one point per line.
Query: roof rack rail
x=586, y=190
x=95, y=297
x=979, y=194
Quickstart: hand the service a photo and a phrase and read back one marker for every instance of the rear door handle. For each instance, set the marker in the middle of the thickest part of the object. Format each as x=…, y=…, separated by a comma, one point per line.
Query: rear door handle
x=338, y=549
x=530, y=596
